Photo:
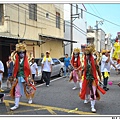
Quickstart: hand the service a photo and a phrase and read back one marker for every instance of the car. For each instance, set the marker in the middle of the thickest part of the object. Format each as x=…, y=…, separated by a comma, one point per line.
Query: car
x=62, y=59
x=57, y=68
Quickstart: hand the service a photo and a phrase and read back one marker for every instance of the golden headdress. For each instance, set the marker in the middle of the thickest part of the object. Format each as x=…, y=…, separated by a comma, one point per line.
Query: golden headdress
x=90, y=49
x=76, y=50
x=21, y=47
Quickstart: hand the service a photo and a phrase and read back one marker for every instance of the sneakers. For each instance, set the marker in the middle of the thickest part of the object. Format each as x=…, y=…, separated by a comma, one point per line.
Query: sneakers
x=30, y=101
x=1, y=90
x=14, y=108
x=93, y=109
x=106, y=89
x=47, y=85
x=86, y=101
x=74, y=88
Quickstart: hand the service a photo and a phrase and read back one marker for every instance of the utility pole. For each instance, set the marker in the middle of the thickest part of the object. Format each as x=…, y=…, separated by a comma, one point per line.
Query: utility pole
x=96, y=35
x=71, y=29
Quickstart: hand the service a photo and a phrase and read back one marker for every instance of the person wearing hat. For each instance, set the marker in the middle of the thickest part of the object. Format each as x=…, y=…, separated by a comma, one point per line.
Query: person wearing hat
x=47, y=68
x=106, y=62
x=21, y=74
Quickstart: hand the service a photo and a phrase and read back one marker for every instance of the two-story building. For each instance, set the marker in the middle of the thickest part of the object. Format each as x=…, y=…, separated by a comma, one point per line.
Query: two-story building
x=40, y=26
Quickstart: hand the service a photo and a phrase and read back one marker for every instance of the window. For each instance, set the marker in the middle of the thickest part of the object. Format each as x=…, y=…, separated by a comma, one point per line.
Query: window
x=47, y=15
x=76, y=9
x=1, y=14
x=33, y=11
x=57, y=20
x=55, y=61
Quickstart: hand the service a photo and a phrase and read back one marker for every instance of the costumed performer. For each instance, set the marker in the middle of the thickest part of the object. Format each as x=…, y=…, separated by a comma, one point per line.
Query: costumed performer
x=90, y=87
x=22, y=76
x=76, y=64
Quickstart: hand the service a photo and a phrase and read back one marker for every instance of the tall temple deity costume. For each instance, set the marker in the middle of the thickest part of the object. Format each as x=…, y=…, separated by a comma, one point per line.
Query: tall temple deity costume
x=21, y=74
x=76, y=64
x=90, y=84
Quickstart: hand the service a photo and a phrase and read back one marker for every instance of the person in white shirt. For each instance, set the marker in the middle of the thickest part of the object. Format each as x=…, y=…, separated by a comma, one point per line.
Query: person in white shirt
x=47, y=68
x=106, y=62
x=1, y=74
x=34, y=68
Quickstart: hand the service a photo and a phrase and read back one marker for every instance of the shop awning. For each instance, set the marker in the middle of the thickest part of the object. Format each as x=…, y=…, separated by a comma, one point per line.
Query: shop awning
x=56, y=38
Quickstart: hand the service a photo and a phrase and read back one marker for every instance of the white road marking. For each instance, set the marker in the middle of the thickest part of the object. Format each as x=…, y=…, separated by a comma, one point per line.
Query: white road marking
x=50, y=81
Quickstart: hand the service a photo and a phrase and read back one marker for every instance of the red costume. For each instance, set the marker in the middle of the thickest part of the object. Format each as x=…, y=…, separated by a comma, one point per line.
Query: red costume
x=76, y=64
x=21, y=74
x=90, y=85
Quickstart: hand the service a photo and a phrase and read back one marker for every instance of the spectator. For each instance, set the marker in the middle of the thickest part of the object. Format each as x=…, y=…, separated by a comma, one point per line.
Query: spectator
x=47, y=68
x=34, y=68
x=1, y=74
x=106, y=62
x=10, y=66
x=66, y=65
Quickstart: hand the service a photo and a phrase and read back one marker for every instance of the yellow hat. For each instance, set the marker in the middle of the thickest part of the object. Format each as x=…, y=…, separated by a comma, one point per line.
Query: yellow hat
x=108, y=50
x=104, y=51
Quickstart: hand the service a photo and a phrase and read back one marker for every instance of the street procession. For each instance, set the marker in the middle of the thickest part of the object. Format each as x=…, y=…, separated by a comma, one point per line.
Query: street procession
x=46, y=73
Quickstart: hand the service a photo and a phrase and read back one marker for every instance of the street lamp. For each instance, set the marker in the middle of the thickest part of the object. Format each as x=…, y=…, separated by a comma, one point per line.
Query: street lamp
x=97, y=23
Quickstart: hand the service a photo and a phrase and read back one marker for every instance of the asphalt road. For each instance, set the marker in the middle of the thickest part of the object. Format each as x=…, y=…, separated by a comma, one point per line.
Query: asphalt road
x=60, y=99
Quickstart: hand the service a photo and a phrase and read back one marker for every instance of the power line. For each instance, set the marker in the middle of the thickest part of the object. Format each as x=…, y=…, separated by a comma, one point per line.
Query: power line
x=54, y=20
x=92, y=9
x=76, y=27
x=98, y=17
x=55, y=16
x=28, y=13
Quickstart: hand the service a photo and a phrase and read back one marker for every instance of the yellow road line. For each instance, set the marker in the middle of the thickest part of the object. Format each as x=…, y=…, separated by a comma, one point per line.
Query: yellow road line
x=52, y=108
x=51, y=111
x=8, y=108
x=21, y=111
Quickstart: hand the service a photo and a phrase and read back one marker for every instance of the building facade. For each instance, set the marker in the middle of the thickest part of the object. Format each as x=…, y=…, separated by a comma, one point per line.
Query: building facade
x=40, y=26
x=76, y=14
x=96, y=37
x=30, y=21
x=108, y=43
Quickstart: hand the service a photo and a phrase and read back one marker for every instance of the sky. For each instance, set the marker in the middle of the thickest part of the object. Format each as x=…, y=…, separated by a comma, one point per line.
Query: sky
x=107, y=11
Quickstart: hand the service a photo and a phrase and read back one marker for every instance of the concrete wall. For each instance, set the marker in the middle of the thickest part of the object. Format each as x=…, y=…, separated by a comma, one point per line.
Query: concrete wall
x=18, y=22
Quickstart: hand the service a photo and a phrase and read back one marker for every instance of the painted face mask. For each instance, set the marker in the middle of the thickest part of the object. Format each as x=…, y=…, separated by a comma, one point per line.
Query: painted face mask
x=75, y=55
x=22, y=55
